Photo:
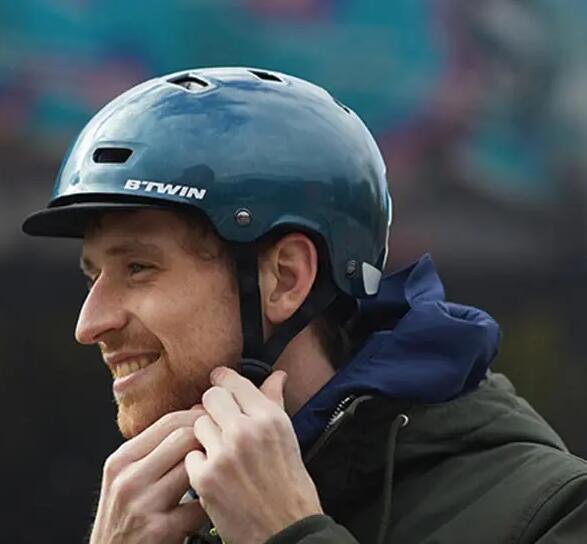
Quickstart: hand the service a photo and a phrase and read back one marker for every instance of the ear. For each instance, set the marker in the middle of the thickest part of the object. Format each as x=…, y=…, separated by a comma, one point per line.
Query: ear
x=287, y=270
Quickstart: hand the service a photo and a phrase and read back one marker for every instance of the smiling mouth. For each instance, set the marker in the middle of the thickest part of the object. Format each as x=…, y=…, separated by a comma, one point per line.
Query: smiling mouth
x=128, y=367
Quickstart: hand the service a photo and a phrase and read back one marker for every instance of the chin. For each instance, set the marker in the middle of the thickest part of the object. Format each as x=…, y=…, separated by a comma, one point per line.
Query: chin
x=133, y=420
x=130, y=424
x=137, y=414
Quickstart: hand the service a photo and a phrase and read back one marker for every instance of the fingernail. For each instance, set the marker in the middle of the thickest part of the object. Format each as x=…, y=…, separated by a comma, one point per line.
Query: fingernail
x=216, y=374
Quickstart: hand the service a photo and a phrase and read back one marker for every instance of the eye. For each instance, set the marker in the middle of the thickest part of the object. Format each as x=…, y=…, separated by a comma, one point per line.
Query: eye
x=137, y=268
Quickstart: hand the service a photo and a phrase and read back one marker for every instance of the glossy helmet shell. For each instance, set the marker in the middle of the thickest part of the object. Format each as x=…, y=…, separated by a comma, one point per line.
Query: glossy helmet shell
x=253, y=150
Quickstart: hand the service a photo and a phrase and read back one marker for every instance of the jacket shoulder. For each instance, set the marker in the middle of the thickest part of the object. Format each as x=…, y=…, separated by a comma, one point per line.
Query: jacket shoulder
x=492, y=471
x=560, y=515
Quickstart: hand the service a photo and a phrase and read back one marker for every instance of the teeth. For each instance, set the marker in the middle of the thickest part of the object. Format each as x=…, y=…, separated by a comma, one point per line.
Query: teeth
x=126, y=368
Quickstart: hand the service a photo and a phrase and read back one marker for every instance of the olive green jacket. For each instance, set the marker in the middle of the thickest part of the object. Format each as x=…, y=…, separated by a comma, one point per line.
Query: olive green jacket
x=484, y=468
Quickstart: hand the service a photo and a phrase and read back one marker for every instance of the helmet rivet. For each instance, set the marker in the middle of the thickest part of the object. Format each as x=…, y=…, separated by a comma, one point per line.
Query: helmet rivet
x=243, y=217
x=351, y=268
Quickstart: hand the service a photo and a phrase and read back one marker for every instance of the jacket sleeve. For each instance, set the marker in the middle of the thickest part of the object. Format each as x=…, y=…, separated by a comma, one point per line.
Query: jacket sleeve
x=562, y=518
x=318, y=529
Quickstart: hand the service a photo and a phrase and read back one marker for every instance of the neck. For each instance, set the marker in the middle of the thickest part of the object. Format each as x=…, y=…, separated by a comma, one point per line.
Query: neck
x=307, y=367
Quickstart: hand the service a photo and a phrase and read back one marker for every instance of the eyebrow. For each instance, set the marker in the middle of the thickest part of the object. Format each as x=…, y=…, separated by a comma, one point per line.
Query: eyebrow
x=124, y=248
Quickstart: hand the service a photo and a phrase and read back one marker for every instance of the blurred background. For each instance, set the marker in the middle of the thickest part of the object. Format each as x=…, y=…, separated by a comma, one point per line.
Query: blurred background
x=480, y=109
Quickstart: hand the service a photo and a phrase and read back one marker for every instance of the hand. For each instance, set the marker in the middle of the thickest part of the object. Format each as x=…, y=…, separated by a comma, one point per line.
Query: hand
x=143, y=482
x=251, y=479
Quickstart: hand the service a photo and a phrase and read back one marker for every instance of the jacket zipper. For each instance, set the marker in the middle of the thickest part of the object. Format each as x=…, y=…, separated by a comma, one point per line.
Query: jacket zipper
x=335, y=421
x=339, y=410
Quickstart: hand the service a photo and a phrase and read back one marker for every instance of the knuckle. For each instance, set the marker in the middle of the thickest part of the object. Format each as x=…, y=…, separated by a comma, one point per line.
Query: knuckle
x=113, y=465
x=210, y=394
x=136, y=514
x=168, y=421
x=206, y=484
x=259, y=432
x=224, y=463
x=240, y=421
x=201, y=423
x=182, y=436
x=172, y=420
x=187, y=433
x=124, y=486
x=177, y=434
x=244, y=436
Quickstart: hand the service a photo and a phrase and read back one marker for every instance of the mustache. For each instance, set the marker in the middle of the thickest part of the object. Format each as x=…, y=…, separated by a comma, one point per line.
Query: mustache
x=129, y=343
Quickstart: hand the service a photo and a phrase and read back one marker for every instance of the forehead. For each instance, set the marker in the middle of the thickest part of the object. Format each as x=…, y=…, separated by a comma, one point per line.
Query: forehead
x=162, y=227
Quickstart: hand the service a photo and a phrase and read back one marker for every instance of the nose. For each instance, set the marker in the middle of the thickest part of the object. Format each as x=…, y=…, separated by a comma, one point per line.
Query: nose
x=101, y=313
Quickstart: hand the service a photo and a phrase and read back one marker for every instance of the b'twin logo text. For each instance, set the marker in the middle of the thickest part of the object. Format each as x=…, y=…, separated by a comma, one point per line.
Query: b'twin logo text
x=165, y=188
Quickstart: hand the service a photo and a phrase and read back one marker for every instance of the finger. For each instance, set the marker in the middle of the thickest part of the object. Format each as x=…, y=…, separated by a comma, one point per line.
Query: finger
x=195, y=465
x=138, y=447
x=167, y=454
x=222, y=407
x=273, y=387
x=208, y=434
x=188, y=518
x=250, y=400
x=166, y=492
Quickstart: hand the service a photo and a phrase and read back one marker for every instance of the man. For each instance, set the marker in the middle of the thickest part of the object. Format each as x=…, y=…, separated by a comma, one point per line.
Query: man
x=235, y=221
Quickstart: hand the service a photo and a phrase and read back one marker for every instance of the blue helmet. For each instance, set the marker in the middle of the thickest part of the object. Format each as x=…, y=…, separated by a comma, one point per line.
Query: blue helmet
x=255, y=151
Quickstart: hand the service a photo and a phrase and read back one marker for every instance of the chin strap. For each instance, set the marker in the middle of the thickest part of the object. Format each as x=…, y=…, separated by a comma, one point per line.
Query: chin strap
x=258, y=356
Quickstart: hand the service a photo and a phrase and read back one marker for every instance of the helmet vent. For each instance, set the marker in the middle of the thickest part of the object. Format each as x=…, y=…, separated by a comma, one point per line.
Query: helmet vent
x=266, y=76
x=190, y=82
x=341, y=105
x=112, y=154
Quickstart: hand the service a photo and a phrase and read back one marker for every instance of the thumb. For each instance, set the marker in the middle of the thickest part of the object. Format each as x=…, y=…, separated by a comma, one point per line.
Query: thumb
x=273, y=387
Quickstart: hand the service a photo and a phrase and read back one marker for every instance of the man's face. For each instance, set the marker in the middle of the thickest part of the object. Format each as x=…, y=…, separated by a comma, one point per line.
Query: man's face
x=163, y=308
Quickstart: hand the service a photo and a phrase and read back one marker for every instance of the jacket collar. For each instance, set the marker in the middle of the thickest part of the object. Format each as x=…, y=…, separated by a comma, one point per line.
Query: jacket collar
x=421, y=349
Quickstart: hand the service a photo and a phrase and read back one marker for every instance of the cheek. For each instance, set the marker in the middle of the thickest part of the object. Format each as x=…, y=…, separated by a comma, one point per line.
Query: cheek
x=199, y=323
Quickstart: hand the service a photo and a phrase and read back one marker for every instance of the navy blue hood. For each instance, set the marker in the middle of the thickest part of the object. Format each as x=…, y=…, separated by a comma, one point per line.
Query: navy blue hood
x=422, y=349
